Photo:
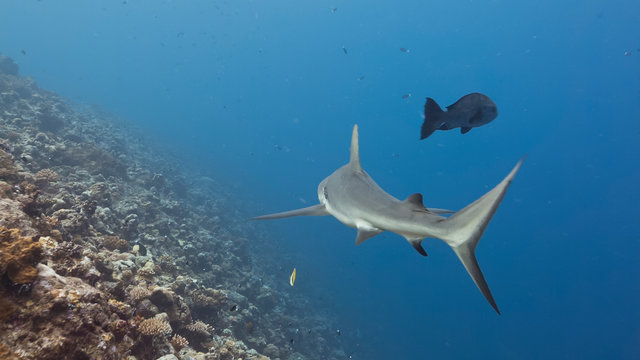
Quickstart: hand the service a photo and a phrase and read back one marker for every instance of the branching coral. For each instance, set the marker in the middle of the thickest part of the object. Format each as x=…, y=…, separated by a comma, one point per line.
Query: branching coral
x=199, y=328
x=18, y=255
x=138, y=293
x=154, y=326
x=179, y=342
x=208, y=298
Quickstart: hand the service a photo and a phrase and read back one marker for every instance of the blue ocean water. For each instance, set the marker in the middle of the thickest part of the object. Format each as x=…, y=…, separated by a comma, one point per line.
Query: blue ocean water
x=262, y=95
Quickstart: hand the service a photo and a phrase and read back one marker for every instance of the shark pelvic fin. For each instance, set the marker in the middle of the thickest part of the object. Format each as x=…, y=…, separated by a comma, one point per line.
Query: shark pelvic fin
x=366, y=234
x=354, y=161
x=315, y=210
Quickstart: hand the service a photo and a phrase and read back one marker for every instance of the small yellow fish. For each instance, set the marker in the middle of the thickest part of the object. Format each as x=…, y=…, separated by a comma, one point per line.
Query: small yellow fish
x=292, y=278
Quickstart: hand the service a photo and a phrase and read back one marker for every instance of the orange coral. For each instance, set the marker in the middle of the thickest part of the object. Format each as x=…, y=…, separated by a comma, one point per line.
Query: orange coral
x=18, y=255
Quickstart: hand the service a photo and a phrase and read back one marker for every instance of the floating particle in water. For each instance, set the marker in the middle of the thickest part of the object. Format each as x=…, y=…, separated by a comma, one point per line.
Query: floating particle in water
x=344, y=49
x=406, y=96
x=627, y=53
x=405, y=50
x=334, y=10
x=361, y=78
x=338, y=332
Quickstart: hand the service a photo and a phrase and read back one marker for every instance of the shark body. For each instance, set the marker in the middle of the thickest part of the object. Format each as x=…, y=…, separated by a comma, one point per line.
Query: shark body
x=351, y=196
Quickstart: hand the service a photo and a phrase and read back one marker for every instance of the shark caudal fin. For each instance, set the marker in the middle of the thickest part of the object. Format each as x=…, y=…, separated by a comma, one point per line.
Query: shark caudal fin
x=315, y=210
x=465, y=228
x=432, y=118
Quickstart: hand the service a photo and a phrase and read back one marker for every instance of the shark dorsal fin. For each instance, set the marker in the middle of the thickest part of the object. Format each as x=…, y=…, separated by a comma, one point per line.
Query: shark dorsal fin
x=354, y=161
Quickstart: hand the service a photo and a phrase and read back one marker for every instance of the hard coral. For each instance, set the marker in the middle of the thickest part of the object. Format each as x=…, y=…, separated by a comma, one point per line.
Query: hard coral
x=199, y=328
x=116, y=242
x=179, y=342
x=154, y=326
x=46, y=176
x=18, y=256
x=208, y=298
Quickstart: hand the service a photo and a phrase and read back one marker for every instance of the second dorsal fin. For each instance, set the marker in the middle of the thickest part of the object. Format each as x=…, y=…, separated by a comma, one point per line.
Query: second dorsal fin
x=415, y=200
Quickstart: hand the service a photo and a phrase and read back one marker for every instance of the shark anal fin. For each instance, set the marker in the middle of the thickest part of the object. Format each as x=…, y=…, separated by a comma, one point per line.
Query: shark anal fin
x=366, y=234
x=315, y=210
x=465, y=130
x=417, y=244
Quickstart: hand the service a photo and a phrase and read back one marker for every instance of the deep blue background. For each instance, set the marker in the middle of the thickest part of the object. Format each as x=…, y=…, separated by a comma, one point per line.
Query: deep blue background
x=222, y=83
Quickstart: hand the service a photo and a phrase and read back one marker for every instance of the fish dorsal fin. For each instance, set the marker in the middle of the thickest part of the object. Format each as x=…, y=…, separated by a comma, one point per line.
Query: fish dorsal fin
x=415, y=200
x=354, y=161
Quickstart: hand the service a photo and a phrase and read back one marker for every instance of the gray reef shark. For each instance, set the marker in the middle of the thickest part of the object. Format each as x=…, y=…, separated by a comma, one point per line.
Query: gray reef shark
x=352, y=197
x=471, y=110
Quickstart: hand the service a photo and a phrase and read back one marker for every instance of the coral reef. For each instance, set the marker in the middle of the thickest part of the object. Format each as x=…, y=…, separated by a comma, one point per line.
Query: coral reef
x=18, y=256
x=108, y=250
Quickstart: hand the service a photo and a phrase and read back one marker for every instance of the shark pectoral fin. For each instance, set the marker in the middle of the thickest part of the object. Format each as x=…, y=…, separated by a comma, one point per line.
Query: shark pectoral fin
x=315, y=210
x=465, y=130
x=366, y=234
x=466, y=254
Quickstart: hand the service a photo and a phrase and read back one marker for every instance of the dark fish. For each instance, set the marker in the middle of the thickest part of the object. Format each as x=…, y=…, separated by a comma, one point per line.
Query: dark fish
x=291, y=341
x=361, y=78
x=345, y=50
x=469, y=111
x=406, y=96
x=234, y=308
x=23, y=52
x=405, y=50
x=334, y=10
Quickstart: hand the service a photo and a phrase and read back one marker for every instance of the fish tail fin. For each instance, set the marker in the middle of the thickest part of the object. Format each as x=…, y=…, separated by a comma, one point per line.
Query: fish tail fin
x=465, y=228
x=432, y=118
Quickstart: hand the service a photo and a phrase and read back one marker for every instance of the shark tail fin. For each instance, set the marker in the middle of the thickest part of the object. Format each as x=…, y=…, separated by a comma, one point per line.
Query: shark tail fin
x=432, y=118
x=354, y=161
x=315, y=210
x=465, y=228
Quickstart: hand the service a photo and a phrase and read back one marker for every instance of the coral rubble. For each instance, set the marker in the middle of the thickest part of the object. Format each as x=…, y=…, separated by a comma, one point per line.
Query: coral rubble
x=108, y=252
